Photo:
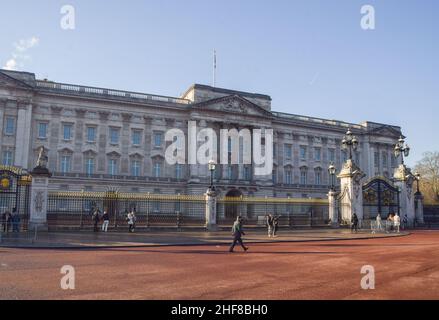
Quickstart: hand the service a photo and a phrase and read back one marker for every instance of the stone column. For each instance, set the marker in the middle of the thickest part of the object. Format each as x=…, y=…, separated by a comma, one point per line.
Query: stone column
x=351, y=196
x=39, y=195
x=23, y=134
x=404, y=181
x=333, y=214
x=419, y=208
x=211, y=215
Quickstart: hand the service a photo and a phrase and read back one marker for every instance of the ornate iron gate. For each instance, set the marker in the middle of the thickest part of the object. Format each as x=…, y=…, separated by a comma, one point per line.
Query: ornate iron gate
x=380, y=196
x=15, y=194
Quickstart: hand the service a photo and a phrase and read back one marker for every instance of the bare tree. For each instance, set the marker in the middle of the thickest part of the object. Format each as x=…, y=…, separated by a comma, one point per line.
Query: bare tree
x=428, y=167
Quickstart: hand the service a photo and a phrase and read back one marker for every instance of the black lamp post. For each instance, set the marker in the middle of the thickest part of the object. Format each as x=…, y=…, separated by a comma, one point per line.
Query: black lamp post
x=349, y=142
x=402, y=149
x=211, y=166
x=417, y=177
x=331, y=170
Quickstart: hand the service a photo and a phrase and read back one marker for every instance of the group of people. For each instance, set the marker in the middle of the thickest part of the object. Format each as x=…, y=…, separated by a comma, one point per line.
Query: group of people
x=11, y=220
x=393, y=223
x=272, y=224
x=130, y=218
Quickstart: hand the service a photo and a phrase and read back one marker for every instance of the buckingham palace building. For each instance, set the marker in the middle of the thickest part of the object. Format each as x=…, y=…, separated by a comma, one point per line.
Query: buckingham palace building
x=99, y=138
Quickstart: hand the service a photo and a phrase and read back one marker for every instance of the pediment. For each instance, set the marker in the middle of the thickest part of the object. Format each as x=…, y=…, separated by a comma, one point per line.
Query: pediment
x=7, y=81
x=386, y=131
x=232, y=104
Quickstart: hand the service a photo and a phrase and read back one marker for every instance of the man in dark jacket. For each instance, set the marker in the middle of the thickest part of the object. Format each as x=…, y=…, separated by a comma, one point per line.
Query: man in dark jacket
x=354, y=221
x=6, y=221
x=237, y=233
x=95, y=218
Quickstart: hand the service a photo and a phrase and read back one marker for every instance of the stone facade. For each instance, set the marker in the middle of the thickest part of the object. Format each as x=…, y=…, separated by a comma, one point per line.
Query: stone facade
x=98, y=138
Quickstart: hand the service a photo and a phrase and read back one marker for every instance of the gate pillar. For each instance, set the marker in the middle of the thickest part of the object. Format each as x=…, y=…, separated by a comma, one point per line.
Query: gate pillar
x=351, y=199
x=404, y=181
x=333, y=213
x=211, y=214
x=39, y=193
x=419, y=208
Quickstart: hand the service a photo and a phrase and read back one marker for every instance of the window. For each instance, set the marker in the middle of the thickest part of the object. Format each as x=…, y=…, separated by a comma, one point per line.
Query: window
x=137, y=137
x=331, y=155
x=114, y=135
x=89, y=166
x=66, y=162
x=288, y=176
x=385, y=159
x=67, y=131
x=10, y=126
x=178, y=171
x=317, y=154
x=229, y=172
x=42, y=130
x=376, y=158
x=303, y=176
x=274, y=176
x=344, y=156
x=91, y=134
x=135, y=168
x=157, y=169
x=288, y=151
x=247, y=173
x=393, y=161
x=274, y=150
x=318, y=176
x=302, y=153
x=112, y=167
x=7, y=158
x=157, y=140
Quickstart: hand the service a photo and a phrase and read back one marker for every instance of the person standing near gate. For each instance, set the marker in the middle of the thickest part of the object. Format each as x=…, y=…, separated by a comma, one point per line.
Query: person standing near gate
x=15, y=218
x=379, y=223
x=130, y=220
x=275, y=225
x=270, y=224
x=405, y=222
x=396, y=222
x=354, y=222
x=95, y=219
x=6, y=221
x=106, y=219
x=237, y=233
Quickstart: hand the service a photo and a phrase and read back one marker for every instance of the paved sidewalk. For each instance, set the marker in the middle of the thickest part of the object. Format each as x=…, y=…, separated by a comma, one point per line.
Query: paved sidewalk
x=87, y=239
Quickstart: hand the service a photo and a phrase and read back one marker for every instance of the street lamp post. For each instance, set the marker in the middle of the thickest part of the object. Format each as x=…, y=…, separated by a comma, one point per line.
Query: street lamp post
x=402, y=149
x=212, y=166
x=331, y=170
x=417, y=177
x=349, y=142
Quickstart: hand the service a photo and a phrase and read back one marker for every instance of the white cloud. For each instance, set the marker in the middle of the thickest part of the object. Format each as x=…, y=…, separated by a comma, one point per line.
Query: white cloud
x=19, y=55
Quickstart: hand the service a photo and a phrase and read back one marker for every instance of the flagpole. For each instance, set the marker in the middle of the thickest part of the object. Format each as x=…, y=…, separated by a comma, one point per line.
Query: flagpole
x=214, y=68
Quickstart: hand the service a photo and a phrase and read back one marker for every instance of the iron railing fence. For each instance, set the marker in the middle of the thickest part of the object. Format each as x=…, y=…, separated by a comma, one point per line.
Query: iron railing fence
x=74, y=209
x=292, y=212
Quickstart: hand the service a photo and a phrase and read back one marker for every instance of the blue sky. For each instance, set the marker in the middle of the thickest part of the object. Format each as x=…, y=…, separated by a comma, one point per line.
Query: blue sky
x=312, y=57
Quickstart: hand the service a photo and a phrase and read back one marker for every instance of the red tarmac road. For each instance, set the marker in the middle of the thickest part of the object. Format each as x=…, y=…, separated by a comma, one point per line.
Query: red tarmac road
x=405, y=268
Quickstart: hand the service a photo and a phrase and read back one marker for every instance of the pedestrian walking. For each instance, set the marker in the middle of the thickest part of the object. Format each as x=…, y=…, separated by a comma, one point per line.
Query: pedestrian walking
x=106, y=221
x=237, y=232
x=275, y=225
x=95, y=219
x=396, y=222
x=270, y=224
x=15, y=219
x=130, y=221
x=6, y=221
x=389, y=223
x=354, y=222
